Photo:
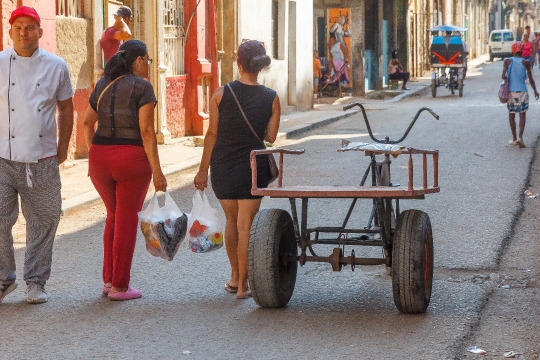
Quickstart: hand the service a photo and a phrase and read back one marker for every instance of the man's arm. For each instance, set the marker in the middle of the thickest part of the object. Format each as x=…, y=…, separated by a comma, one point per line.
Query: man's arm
x=122, y=30
x=65, y=127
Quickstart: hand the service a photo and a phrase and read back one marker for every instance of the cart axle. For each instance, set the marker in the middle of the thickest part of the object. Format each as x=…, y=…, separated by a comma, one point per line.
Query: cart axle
x=337, y=260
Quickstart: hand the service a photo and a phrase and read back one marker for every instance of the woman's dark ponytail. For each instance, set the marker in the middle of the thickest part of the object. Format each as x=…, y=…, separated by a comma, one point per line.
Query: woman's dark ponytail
x=122, y=62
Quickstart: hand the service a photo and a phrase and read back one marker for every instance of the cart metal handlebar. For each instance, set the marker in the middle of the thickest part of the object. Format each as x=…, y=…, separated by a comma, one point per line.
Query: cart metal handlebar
x=386, y=139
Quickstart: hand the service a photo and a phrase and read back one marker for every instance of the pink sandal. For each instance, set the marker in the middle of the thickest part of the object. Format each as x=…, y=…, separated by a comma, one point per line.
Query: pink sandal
x=130, y=294
x=105, y=290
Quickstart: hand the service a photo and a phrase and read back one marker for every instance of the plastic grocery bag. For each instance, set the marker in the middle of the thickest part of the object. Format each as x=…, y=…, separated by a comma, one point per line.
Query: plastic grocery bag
x=163, y=228
x=205, y=232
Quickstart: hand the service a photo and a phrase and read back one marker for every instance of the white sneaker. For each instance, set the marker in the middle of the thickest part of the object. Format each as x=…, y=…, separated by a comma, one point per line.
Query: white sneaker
x=36, y=294
x=512, y=142
x=7, y=288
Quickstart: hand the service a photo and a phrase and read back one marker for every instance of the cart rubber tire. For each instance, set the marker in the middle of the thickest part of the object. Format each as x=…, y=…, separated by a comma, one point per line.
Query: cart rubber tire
x=412, y=262
x=460, y=87
x=272, y=263
x=433, y=87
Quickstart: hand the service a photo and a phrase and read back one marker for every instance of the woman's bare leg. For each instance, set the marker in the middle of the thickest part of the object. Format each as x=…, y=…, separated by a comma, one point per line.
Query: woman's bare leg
x=522, y=116
x=512, y=120
x=230, y=207
x=247, y=209
x=239, y=215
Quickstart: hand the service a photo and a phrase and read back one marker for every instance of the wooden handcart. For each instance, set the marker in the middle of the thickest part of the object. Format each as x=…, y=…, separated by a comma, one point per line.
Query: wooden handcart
x=280, y=240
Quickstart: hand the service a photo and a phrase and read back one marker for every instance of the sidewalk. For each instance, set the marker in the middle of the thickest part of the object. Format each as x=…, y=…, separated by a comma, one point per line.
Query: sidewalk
x=182, y=154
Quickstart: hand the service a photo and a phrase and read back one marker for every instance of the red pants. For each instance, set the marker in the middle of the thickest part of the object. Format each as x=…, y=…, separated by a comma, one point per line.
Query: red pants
x=121, y=175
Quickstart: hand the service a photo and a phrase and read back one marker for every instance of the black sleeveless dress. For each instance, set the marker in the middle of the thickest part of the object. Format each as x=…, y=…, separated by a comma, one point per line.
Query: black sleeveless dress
x=230, y=171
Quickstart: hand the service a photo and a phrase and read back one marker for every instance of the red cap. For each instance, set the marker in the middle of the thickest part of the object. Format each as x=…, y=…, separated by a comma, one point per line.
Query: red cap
x=24, y=11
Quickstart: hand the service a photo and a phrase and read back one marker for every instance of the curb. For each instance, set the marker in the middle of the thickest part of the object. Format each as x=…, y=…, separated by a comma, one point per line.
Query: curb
x=418, y=92
x=297, y=130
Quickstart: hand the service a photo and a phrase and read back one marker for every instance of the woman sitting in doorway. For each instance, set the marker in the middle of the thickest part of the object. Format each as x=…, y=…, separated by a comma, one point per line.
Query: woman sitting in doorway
x=396, y=71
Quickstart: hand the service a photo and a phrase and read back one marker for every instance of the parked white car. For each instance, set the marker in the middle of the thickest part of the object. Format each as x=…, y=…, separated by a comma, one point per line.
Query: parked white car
x=500, y=43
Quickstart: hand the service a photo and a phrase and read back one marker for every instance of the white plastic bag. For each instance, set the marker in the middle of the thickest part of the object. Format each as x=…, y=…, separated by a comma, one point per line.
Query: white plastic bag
x=205, y=232
x=163, y=228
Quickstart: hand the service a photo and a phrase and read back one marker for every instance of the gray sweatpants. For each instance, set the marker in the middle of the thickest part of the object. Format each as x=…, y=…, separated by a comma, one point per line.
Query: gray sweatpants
x=41, y=205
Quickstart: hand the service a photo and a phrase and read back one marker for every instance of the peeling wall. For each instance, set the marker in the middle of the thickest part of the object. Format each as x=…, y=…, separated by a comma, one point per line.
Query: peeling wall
x=5, y=12
x=74, y=44
x=296, y=64
x=177, y=104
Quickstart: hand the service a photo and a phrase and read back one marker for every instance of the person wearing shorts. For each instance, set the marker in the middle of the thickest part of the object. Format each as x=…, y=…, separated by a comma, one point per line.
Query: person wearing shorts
x=317, y=73
x=517, y=70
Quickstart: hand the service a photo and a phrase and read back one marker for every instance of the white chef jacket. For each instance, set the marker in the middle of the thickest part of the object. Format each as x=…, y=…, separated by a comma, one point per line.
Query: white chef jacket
x=29, y=90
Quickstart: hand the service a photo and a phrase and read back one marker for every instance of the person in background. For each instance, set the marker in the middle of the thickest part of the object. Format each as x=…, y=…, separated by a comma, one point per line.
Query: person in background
x=527, y=49
x=535, y=48
x=227, y=146
x=317, y=73
x=447, y=36
x=396, y=71
x=123, y=158
x=463, y=70
x=527, y=34
x=115, y=35
x=517, y=70
x=35, y=105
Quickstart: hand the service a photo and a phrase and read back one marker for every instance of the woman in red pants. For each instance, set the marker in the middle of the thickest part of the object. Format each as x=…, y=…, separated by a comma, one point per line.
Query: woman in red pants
x=123, y=158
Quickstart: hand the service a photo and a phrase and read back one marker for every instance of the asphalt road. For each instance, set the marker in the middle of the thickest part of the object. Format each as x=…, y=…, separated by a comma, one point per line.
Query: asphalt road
x=185, y=313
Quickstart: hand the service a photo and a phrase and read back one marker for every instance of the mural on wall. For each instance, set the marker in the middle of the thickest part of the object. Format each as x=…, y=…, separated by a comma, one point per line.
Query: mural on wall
x=339, y=44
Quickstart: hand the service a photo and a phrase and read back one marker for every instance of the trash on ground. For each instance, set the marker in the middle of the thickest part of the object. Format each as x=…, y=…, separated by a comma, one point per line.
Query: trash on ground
x=477, y=154
x=186, y=352
x=511, y=354
x=505, y=286
x=530, y=194
x=476, y=350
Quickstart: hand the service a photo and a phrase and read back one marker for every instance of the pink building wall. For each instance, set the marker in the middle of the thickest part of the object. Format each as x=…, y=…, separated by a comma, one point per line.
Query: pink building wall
x=177, y=92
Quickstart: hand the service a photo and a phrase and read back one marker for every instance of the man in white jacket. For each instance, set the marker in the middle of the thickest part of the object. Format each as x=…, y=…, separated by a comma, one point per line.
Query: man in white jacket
x=34, y=84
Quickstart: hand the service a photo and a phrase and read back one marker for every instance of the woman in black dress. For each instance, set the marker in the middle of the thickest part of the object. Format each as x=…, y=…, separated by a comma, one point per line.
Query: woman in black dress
x=227, y=145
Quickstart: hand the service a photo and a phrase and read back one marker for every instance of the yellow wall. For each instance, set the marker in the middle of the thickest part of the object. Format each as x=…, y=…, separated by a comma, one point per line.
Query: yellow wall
x=74, y=44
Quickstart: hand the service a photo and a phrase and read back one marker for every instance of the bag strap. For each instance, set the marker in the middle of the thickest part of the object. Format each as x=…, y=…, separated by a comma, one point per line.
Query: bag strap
x=244, y=115
x=107, y=87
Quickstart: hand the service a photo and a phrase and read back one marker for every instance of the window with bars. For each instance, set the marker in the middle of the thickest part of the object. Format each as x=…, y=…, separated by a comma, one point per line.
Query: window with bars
x=174, y=36
x=73, y=8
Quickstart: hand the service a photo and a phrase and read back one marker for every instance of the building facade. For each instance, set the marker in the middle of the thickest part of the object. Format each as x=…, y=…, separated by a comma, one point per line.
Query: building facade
x=193, y=44
x=372, y=29
x=285, y=27
x=181, y=38
x=478, y=16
